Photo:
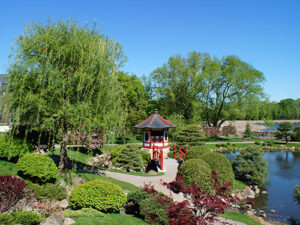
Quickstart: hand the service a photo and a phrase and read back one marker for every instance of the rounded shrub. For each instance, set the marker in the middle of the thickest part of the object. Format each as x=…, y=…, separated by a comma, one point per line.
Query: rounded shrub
x=195, y=152
x=221, y=165
x=11, y=148
x=101, y=195
x=37, y=168
x=154, y=212
x=196, y=171
x=130, y=159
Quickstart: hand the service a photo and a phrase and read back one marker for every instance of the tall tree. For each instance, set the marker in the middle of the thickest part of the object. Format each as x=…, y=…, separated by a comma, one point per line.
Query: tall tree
x=62, y=80
x=178, y=83
x=229, y=80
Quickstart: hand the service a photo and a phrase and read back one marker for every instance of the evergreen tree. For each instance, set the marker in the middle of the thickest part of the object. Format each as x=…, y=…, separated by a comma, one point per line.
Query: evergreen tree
x=191, y=135
x=250, y=167
x=248, y=131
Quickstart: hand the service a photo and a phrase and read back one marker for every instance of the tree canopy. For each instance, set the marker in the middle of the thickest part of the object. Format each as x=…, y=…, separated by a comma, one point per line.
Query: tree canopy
x=63, y=79
x=206, y=85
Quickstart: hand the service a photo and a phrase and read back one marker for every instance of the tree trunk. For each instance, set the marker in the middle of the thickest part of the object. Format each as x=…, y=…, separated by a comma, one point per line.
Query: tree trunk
x=63, y=163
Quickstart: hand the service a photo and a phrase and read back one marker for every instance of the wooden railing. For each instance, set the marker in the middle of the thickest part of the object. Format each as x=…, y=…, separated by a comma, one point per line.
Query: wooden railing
x=159, y=155
x=180, y=152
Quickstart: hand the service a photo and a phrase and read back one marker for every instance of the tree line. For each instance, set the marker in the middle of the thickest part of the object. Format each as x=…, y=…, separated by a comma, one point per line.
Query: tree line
x=66, y=79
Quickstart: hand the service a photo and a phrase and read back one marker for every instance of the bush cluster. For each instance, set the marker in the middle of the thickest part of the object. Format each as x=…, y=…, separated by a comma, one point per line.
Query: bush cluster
x=196, y=171
x=222, y=166
x=101, y=195
x=13, y=148
x=21, y=217
x=145, y=155
x=84, y=212
x=12, y=189
x=130, y=159
x=48, y=191
x=37, y=168
x=144, y=204
x=195, y=152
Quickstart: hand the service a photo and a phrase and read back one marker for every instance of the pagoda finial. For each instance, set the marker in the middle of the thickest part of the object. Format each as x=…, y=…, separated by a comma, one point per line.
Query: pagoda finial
x=155, y=111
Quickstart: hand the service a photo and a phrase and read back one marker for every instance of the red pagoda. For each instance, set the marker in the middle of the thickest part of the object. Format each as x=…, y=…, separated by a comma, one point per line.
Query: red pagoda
x=155, y=132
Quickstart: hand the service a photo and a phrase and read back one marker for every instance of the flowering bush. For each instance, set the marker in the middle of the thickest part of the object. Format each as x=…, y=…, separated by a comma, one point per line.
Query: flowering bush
x=12, y=189
x=212, y=131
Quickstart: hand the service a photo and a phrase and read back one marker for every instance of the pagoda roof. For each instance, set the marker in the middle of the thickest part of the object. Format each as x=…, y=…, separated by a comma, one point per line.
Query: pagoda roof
x=155, y=121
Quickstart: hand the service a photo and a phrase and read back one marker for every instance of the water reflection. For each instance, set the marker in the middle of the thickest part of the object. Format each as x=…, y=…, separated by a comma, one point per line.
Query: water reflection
x=284, y=175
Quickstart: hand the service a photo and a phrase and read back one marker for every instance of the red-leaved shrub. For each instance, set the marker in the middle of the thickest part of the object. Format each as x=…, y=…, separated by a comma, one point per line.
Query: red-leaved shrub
x=12, y=189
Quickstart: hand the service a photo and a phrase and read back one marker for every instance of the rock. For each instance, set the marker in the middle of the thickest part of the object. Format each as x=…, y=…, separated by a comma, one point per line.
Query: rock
x=77, y=180
x=62, y=204
x=249, y=213
x=247, y=193
x=264, y=192
x=69, y=221
x=69, y=189
x=62, y=183
x=248, y=206
x=103, y=160
x=272, y=211
x=256, y=218
x=55, y=219
x=152, y=172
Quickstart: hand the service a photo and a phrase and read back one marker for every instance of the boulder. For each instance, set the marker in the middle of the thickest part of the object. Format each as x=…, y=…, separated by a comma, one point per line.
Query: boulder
x=103, y=160
x=272, y=211
x=62, y=183
x=152, y=172
x=69, y=221
x=62, y=204
x=55, y=219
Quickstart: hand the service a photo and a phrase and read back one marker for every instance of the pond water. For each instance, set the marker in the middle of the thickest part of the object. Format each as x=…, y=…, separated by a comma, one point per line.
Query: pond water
x=284, y=175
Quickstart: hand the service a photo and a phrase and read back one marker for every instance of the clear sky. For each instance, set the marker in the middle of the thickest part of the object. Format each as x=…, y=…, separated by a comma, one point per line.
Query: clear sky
x=263, y=33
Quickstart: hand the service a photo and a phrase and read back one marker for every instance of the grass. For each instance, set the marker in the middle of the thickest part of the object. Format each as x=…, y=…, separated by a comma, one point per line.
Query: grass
x=89, y=177
x=8, y=168
x=238, y=185
x=239, y=217
x=110, y=219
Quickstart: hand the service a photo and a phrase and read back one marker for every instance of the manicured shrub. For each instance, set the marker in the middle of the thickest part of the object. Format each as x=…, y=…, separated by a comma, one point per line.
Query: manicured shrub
x=296, y=134
x=84, y=212
x=134, y=200
x=250, y=167
x=48, y=191
x=37, y=168
x=13, y=148
x=154, y=212
x=196, y=171
x=195, y=152
x=145, y=155
x=130, y=159
x=218, y=145
x=257, y=142
x=116, y=151
x=12, y=189
x=223, y=145
x=101, y=195
x=222, y=166
x=190, y=135
x=6, y=219
x=27, y=217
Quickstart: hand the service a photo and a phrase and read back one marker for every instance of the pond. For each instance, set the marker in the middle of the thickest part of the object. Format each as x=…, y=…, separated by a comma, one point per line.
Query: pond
x=284, y=175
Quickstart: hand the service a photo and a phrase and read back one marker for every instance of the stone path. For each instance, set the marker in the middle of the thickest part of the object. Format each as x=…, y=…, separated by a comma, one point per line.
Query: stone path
x=169, y=175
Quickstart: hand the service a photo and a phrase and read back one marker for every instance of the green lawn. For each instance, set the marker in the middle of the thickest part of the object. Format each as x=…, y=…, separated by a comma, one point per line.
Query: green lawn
x=238, y=185
x=110, y=219
x=239, y=217
x=8, y=168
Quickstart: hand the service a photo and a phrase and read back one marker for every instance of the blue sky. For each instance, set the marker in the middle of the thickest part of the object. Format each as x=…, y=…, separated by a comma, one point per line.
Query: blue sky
x=265, y=34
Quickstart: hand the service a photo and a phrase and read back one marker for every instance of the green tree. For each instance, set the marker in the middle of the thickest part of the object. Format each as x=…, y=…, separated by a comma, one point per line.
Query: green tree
x=229, y=80
x=135, y=100
x=178, y=83
x=250, y=167
x=296, y=135
x=284, y=131
x=287, y=109
x=248, y=132
x=63, y=79
x=229, y=130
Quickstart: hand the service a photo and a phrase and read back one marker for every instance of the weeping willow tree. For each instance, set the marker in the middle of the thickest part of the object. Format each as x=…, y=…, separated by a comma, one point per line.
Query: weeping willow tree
x=62, y=79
